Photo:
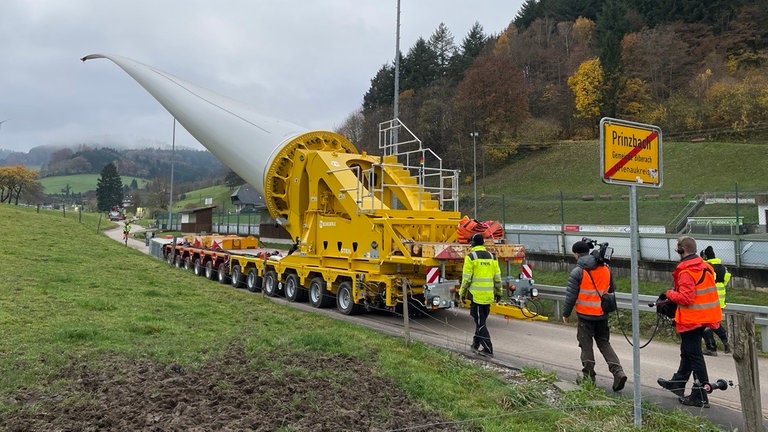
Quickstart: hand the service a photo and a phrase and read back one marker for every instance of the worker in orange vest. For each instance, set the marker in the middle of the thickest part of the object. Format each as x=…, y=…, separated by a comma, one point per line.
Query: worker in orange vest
x=587, y=282
x=698, y=307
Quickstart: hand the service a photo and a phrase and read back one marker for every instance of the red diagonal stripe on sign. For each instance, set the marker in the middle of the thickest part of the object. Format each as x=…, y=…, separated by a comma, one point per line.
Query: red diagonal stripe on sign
x=631, y=154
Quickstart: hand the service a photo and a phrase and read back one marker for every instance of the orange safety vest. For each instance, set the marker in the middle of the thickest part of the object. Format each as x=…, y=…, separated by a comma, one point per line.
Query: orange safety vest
x=706, y=307
x=594, y=283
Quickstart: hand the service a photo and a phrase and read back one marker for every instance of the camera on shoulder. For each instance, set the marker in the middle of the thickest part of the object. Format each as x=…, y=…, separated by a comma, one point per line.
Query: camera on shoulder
x=602, y=252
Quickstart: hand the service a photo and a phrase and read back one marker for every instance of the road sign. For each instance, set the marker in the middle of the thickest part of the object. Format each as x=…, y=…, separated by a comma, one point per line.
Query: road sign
x=630, y=153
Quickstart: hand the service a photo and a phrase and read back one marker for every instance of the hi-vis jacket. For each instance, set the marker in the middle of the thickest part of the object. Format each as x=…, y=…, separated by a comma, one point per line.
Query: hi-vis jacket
x=481, y=276
x=582, y=294
x=695, y=294
x=722, y=277
x=594, y=283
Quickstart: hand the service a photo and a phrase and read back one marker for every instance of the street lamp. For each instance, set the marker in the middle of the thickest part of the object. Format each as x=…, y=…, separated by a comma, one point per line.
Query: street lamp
x=474, y=166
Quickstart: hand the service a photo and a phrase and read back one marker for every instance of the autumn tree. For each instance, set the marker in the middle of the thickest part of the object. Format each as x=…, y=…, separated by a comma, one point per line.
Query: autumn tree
x=14, y=181
x=109, y=188
x=586, y=85
x=493, y=100
x=352, y=127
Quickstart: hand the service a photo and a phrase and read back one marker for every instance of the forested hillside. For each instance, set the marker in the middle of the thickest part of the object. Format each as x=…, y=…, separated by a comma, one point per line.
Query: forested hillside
x=188, y=165
x=696, y=68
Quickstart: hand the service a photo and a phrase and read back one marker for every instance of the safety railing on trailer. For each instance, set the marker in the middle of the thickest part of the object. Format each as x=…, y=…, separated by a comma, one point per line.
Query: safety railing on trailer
x=395, y=139
x=624, y=301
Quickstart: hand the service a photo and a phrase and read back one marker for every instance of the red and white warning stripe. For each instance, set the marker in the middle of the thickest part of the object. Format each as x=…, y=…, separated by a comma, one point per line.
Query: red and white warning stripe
x=526, y=271
x=433, y=273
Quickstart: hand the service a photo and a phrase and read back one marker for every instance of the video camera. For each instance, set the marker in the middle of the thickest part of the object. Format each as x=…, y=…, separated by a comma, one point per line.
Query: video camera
x=602, y=254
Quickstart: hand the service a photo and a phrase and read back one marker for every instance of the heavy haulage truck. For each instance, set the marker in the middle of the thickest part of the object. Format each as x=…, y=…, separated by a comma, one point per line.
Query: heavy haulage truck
x=369, y=230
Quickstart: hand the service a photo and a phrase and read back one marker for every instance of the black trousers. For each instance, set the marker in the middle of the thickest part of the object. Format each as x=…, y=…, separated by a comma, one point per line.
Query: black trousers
x=709, y=337
x=482, y=338
x=692, y=362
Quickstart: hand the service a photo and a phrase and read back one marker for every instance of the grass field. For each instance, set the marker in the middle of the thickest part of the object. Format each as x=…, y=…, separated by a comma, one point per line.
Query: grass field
x=81, y=183
x=108, y=305
x=219, y=196
x=533, y=186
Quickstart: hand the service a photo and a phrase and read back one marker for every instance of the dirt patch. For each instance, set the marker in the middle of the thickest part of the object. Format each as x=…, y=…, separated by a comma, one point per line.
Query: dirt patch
x=311, y=392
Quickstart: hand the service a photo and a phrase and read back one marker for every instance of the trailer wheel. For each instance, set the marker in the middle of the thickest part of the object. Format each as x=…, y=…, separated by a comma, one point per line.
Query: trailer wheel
x=253, y=280
x=344, y=301
x=170, y=258
x=223, y=276
x=237, y=276
x=188, y=263
x=294, y=292
x=270, y=283
x=178, y=261
x=198, y=267
x=209, y=272
x=318, y=295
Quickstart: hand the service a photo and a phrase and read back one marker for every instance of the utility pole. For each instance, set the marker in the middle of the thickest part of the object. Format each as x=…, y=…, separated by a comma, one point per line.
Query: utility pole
x=173, y=157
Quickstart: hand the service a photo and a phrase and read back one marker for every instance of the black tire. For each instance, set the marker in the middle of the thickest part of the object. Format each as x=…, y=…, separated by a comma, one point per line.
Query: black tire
x=170, y=258
x=294, y=292
x=222, y=273
x=236, y=276
x=318, y=294
x=271, y=287
x=253, y=280
x=197, y=267
x=344, y=300
x=210, y=273
x=188, y=263
x=178, y=262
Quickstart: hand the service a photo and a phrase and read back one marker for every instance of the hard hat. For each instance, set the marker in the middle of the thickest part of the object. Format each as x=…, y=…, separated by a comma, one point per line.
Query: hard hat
x=477, y=240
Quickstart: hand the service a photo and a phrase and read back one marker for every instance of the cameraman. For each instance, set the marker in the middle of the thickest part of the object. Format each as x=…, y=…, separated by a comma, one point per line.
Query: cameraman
x=587, y=282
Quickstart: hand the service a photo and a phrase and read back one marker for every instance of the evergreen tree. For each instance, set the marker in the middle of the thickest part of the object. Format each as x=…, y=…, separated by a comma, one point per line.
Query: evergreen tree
x=441, y=42
x=109, y=188
x=611, y=27
x=471, y=47
x=381, y=92
x=420, y=67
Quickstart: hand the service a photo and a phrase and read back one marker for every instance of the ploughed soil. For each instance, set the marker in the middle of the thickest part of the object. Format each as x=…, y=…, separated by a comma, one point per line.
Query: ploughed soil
x=311, y=392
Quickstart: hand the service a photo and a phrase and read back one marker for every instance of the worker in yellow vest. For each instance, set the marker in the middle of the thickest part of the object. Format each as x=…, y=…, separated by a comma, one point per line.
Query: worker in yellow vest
x=481, y=285
x=722, y=277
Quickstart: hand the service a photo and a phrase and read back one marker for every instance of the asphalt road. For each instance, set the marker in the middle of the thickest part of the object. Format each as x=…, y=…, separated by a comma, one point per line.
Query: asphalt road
x=553, y=347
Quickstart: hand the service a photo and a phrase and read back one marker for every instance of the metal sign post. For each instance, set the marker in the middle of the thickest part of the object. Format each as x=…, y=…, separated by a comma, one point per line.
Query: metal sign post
x=630, y=154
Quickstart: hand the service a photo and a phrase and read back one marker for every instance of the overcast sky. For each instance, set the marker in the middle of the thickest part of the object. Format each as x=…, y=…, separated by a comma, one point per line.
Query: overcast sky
x=305, y=61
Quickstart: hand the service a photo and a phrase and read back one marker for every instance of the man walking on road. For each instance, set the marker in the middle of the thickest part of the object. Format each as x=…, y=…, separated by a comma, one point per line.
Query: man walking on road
x=587, y=282
x=722, y=277
x=126, y=231
x=481, y=284
x=698, y=307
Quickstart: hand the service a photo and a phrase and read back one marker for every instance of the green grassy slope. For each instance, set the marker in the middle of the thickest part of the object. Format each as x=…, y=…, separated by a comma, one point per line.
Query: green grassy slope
x=81, y=182
x=532, y=186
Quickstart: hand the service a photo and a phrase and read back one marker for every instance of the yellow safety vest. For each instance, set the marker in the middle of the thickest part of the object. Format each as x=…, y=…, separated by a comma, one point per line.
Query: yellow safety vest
x=481, y=275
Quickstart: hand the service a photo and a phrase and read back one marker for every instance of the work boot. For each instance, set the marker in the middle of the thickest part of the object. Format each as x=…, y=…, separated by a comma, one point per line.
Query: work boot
x=693, y=401
x=709, y=352
x=586, y=377
x=727, y=348
x=698, y=397
x=619, y=380
x=483, y=352
x=672, y=386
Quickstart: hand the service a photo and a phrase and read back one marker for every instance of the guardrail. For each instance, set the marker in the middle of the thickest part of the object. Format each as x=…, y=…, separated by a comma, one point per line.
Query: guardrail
x=624, y=301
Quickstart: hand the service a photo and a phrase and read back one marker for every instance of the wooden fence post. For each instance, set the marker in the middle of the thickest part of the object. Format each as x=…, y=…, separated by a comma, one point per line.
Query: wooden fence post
x=742, y=327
